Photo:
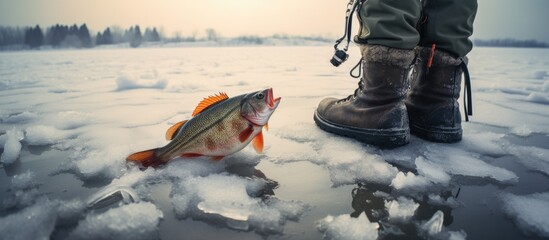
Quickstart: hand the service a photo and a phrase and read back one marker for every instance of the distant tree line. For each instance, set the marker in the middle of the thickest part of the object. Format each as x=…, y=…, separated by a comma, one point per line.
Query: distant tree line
x=74, y=36
x=508, y=42
x=62, y=36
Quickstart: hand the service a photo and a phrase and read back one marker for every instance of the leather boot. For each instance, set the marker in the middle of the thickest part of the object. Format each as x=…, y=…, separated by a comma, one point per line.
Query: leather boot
x=376, y=112
x=432, y=104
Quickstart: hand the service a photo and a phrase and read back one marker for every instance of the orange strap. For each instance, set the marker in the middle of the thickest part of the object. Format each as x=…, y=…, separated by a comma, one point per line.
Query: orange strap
x=431, y=56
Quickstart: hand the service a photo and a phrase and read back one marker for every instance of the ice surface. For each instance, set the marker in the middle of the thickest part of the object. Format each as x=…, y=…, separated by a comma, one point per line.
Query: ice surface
x=545, y=87
x=12, y=146
x=20, y=117
x=538, y=98
x=459, y=162
x=344, y=227
x=539, y=74
x=22, y=192
x=61, y=101
x=133, y=221
x=127, y=83
x=44, y=135
x=401, y=209
x=529, y=212
x=72, y=119
x=35, y=222
x=521, y=131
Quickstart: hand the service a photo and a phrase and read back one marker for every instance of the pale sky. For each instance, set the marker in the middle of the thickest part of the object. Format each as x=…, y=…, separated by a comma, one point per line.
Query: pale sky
x=521, y=19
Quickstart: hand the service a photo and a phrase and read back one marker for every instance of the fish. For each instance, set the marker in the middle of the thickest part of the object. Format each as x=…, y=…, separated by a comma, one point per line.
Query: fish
x=219, y=126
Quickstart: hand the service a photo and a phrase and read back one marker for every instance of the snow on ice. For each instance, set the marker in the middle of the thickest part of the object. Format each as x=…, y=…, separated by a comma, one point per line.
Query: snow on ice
x=529, y=212
x=99, y=117
x=401, y=209
x=344, y=227
x=132, y=221
x=12, y=146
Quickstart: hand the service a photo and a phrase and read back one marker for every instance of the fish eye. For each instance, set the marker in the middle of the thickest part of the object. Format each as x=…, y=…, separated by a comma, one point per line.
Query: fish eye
x=260, y=96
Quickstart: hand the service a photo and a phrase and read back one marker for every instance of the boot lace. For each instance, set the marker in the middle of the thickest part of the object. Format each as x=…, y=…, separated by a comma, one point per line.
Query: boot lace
x=353, y=96
x=360, y=83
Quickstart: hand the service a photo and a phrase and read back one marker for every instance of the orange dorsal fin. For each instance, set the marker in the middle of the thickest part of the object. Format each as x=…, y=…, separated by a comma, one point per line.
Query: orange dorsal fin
x=209, y=101
x=257, y=143
x=173, y=130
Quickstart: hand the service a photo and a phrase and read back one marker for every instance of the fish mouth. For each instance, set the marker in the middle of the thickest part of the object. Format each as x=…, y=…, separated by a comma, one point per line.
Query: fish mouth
x=271, y=101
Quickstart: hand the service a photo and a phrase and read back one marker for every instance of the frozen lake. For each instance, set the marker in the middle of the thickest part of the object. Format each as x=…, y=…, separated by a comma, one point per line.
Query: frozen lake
x=69, y=118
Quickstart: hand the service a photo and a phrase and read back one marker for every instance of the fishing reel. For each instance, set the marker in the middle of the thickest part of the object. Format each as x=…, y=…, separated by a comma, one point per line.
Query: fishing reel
x=339, y=57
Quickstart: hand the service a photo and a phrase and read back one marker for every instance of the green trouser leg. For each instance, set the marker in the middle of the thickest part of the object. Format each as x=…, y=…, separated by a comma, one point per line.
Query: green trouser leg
x=395, y=23
x=390, y=23
x=449, y=24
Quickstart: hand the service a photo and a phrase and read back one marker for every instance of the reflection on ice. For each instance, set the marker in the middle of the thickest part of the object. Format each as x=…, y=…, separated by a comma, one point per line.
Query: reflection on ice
x=434, y=225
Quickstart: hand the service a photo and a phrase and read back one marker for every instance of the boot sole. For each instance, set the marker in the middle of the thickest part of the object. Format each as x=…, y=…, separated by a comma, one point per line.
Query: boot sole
x=438, y=135
x=385, y=138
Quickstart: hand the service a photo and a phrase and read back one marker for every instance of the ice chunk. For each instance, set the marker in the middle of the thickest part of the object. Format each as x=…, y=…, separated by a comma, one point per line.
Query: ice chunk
x=3, y=139
x=409, y=180
x=539, y=74
x=532, y=157
x=231, y=210
x=230, y=199
x=282, y=150
x=434, y=225
x=128, y=83
x=70, y=212
x=23, y=181
x=545, y=87
x=133, y=221
x=20, y=117
x=72, y=119
x=344, y=227
x=22, y=192
x=356, y=164
x=457, y=235
x=401, y=209
x=538, y=98
x=459, y=162
x=483, y=142
x=529, y=212
x=44, y=135
x=109, y=162
x=431, y=171
x=35, y=222
x=521, y=131
x=12, y=146
x=436, y=199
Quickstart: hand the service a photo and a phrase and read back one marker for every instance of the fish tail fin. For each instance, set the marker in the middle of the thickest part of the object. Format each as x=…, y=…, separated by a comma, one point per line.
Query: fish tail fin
x=147, y=158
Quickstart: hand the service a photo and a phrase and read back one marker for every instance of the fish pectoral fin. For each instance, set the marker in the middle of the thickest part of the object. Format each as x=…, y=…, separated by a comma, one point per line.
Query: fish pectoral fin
x=209, y=102
x=244, y=135
x=217, y=158
x=147, y=158
x=173, y=130
x=191, y=155
x=257, y=143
